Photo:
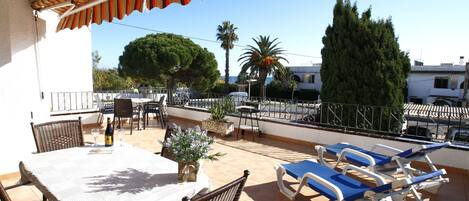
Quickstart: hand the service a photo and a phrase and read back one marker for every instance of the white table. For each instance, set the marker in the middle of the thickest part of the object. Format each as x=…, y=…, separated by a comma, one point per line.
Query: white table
x=140, y=102
x=116, y=174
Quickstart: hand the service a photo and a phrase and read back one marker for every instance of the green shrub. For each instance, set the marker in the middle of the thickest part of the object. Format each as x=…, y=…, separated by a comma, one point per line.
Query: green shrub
x=220, y=88
x=220, y=109
x=307, y=94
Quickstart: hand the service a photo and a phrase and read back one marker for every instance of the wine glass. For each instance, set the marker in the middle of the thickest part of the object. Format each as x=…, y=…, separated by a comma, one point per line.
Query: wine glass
x=120, y=135
x=94, y=134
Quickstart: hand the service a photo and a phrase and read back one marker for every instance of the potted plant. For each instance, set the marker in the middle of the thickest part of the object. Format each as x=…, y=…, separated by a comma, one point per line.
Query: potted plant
x=217, y=122
x=188, y=147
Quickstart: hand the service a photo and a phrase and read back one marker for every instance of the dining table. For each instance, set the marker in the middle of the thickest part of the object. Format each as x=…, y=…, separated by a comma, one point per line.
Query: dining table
x=117, y=173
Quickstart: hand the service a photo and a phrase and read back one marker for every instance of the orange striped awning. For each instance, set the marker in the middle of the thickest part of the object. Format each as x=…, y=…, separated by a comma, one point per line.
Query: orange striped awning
x=77, y=13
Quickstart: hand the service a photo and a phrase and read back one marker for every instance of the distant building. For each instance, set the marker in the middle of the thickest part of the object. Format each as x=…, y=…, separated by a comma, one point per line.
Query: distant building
x=426, y=84
x=307, y=77
x=442, y=83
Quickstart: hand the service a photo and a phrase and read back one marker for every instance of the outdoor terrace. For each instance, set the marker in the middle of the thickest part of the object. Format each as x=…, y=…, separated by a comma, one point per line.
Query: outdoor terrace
x=259, y=157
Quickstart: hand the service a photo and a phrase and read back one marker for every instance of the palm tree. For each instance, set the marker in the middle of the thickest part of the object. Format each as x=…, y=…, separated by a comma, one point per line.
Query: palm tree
x=263, y=60
x=226, y=34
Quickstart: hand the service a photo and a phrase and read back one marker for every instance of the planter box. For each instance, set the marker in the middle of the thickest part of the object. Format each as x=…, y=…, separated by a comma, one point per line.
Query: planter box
x=224, y=128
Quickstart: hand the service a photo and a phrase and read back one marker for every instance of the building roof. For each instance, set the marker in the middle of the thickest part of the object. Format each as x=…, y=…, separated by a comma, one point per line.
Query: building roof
x=442, y=68
x=438, y=69
x=315, y=68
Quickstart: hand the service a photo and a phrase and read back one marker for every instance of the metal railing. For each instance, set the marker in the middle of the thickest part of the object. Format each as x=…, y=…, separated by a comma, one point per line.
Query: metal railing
x=415, y=122
x=89, y=100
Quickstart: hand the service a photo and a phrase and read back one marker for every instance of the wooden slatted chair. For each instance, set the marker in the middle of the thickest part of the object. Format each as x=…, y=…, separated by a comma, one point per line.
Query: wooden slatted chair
x=3, y=194
x=165, y=150
x=229, y=192
x=51, y=136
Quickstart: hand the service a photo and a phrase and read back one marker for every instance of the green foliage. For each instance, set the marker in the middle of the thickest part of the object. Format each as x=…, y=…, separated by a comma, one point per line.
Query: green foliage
x=170, y=59
x=110, y=80
x=361, y=60
x=307, y=94
x=220, y=109
x=278, y=89
x=220, y=88
x=217, y=113
x=263, y=60
x=95, y=59
x=226, y=34
x=191, y=145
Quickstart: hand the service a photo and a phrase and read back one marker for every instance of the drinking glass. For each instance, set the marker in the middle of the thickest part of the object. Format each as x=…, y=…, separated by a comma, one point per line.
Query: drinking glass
x=120, y=135
x=94, y=134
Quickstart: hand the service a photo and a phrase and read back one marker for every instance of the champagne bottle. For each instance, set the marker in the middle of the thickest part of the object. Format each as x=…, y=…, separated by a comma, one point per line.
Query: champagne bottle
x=109, y=134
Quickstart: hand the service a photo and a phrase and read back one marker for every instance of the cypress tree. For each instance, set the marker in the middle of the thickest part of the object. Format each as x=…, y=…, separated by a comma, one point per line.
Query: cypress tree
x=362, y=62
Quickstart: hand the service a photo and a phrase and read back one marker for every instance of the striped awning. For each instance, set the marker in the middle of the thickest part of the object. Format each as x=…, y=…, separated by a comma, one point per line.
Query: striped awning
x=77, y=13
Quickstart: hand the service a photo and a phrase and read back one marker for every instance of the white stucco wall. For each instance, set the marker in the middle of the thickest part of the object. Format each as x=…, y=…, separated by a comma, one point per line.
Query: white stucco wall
x=64, y=64
x=447, y=157
x=305, y=71
x=421, y=85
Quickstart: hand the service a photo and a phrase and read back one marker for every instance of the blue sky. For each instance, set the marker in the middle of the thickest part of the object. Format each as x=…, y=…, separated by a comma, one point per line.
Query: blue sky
x=434, y=31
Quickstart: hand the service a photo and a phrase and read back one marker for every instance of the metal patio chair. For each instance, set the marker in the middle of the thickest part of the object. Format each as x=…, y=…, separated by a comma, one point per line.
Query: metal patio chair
x=156, y=108
x=123, y=108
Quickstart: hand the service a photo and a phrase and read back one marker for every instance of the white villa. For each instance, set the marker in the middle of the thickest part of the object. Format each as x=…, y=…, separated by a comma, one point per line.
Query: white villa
x=426, y=83
x=308, y=77
x=429, y=83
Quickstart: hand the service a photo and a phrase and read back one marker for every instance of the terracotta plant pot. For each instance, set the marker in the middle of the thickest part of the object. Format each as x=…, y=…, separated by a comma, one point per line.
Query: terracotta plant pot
x=187, y=171
x=224, y=128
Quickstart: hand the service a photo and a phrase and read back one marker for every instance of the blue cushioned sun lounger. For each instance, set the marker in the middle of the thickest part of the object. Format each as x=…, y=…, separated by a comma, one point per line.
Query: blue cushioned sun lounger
x=387, y=165
x=339, y=186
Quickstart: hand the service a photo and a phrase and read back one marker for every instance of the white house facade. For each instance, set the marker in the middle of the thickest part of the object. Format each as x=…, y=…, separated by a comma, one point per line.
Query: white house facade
x=307, y=77
x=426, y=83
x=35, y=60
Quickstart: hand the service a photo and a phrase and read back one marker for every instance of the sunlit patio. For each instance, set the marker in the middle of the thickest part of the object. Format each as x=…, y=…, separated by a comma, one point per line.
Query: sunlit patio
x=258, y=157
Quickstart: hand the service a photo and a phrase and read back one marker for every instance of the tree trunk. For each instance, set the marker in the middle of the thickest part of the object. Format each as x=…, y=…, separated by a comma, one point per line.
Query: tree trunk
x=227, y=69
x=262, y=78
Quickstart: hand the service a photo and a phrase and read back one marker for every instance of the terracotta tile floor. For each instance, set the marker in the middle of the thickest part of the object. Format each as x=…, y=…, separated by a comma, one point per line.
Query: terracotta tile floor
x=258, y=157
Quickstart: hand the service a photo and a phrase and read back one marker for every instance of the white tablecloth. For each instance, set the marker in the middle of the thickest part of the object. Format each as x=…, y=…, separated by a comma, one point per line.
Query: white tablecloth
x=115, y=173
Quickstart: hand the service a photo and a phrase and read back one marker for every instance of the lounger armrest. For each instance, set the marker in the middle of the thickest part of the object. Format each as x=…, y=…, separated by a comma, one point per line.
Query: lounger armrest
x=338, y=193
x=387, y=148
x=341, y=156
x=379, y=179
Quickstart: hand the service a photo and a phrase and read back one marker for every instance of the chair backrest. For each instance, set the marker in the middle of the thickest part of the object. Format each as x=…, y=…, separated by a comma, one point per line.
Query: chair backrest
x=161, y=105
x=3, y=194
x=51, y=136
x=123, y=108
x=406, y=183
x=229, y=192
x=422, y=150
x=165, y=150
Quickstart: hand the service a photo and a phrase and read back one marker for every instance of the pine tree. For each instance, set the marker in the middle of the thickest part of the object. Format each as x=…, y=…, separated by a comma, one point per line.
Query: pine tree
x=361, y=60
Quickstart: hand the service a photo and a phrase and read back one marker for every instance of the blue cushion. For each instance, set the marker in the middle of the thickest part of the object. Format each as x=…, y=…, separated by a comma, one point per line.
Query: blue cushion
x=418, y=153
x=431, y=175
x=351, y=188
x=379, y=158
